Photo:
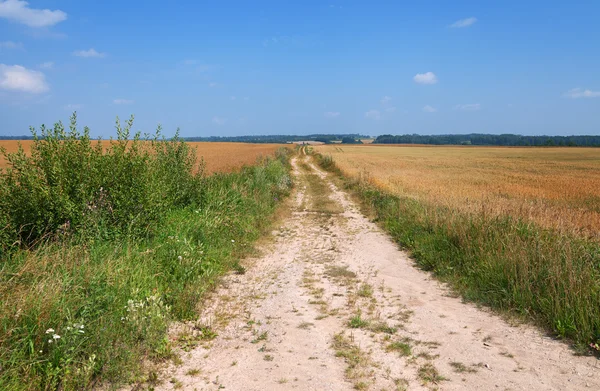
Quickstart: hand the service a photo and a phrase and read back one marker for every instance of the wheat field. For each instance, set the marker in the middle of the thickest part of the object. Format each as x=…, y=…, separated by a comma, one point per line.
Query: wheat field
x=555, y=187
x=218, y=157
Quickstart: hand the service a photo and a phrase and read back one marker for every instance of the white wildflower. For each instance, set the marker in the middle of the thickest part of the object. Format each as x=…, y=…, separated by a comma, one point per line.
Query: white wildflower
x=50, y=341
x=56, y=336
x=180, y=257
x=50, y=331
x=232, y=241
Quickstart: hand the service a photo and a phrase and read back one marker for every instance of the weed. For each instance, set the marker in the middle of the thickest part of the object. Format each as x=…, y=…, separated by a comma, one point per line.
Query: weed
x=260, y=337
x=401, y=347
x=356, y=322
x=461, y=368
x=193, y=372
x=365, y=290
x=429, y=374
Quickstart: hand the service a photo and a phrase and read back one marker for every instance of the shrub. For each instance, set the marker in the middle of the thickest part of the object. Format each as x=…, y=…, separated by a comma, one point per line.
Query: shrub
x=71, y=185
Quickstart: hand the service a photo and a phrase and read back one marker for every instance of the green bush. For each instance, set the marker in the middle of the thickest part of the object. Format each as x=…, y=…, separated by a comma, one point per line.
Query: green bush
x=71, y=185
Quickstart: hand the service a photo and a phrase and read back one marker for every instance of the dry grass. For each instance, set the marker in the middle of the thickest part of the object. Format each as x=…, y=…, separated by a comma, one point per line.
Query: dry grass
x=555, y=187
x=219, y=157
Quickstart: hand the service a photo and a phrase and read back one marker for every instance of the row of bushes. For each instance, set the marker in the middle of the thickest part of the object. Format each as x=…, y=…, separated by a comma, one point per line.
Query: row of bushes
x=90, y=303
x=508, y=264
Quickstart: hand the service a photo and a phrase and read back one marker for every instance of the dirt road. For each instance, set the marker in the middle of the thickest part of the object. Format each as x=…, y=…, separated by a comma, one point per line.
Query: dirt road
x=333, y=304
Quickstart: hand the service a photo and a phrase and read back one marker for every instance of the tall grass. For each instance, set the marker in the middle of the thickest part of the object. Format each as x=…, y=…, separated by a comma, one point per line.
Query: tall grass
x=87, y=302
x=506, y=263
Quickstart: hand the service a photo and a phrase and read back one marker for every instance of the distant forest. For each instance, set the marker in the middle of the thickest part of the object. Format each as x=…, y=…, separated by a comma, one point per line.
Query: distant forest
x=491, y=139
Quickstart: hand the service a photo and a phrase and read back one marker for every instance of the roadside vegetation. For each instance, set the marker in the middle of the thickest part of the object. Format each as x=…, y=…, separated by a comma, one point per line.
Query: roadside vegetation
x=100, y=249
x=507, y=262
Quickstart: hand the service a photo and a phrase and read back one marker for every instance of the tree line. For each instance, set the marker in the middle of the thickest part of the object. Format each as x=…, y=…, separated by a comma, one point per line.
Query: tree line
x=490, y=139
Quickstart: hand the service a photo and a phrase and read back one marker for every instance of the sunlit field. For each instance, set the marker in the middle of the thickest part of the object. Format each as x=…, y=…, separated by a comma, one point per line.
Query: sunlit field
x=555, y=187
x=218, y=157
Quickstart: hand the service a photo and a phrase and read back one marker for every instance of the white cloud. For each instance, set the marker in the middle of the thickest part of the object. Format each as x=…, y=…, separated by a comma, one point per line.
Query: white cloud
x=19, y=11
x=18, y=78
x=11, y=45
x=219, y=121
x=576, y=93
x=425, y=78
x=390, y=109
x=212, y=84
x=331, y=114
x=468, y=107
x=91, y=53
x=373, y=114
x=429, y=109
x=464, y=23
x=73, y=106
x=123, y=101
x=385, y=100
x=47, y=65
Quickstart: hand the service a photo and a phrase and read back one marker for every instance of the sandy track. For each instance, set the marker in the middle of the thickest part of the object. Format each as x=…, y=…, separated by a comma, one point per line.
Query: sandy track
x=335, y=305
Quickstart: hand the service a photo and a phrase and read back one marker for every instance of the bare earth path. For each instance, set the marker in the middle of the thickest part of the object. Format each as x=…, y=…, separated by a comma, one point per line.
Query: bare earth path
x=335, y=305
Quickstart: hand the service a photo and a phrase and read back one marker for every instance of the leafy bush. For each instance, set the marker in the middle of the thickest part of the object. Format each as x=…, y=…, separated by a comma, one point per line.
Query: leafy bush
x=71, y=185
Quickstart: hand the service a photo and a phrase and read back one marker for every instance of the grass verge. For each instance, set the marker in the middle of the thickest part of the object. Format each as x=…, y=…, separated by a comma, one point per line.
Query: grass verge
x=508, y=264
x=89, y=305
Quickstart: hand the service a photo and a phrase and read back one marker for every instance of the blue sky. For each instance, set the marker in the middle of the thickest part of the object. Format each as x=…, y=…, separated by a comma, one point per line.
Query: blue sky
x=269, y=67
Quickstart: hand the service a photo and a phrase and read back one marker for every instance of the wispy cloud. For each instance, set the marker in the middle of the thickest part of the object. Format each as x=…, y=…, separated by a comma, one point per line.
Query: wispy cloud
x=464, y=23
x=577, y=93
x=197, y=65
x=120, y=101
x=331, y=114
x=386, y=102
x=90, y=53
x=468, y=107
x=219, y=121
x=47, y=65
x=373, y=114
x=73, y=106
x=19, y=78
x=212, y=84
x=425, y=78
x=19, y=11
x=429, y=109
x=11, y=45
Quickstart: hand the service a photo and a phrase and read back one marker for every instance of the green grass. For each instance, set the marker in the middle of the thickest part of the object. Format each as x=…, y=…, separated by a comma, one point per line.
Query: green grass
x=508, y=264
x=91, y=305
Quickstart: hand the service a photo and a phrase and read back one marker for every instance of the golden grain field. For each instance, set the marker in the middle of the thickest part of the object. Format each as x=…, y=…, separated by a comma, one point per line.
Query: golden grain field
x=555, y=187
x=219, y=157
